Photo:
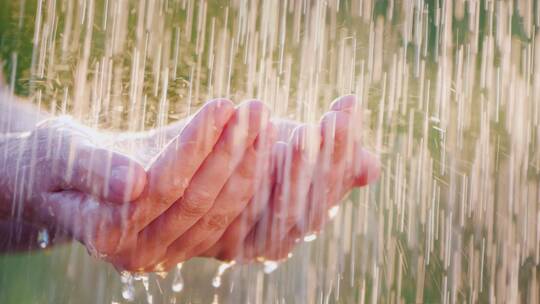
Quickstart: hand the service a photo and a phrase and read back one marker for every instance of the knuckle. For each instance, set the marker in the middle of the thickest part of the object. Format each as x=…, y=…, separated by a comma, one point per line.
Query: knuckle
x=216, y=222
x=228, y=148
x=195, y=204
x=246, y=171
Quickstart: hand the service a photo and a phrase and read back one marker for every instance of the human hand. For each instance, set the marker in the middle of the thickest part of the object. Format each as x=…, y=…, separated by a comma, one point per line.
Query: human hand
x=313, y=170
x=61, y=155
x=183, y=182
x=218, y=190
x=132, y=235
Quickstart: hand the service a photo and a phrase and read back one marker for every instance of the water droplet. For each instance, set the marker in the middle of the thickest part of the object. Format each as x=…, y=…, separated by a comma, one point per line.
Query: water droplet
x=144, y=278
x=310, y=237
x=128, y=290
x=270, y=266
x=333, y=212
x=43, y=238
x=140, y=276
x=178, y=281
x=216, y=281
x=161, y=274
x=125, y=276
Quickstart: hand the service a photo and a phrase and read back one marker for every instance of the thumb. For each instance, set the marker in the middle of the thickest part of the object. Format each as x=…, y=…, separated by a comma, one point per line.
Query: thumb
x=103, y=173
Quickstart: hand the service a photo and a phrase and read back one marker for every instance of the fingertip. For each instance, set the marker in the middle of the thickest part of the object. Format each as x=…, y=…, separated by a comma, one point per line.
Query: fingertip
x=259, y=113
x=334, y=126
x=344, y=103
x=368, y=169
x=335, y=120
x=139, y=182
x=279, y=153
x=221, y=108
x=279, y=149
x=266, y=138
x=126, y=182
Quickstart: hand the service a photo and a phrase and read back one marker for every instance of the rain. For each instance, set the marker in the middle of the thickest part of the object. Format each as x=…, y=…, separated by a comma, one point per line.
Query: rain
x=449, y=98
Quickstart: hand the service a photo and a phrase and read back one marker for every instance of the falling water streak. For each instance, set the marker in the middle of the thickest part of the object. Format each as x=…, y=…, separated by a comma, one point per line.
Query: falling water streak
x=216, y=281
x=451, y=93
x=270, y=266
x=178, y=280
x=43, y=238
x=310, y=238
x=128, y=288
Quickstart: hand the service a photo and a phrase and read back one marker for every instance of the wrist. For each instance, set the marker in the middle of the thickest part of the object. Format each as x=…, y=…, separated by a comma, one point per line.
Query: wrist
x=17, y=114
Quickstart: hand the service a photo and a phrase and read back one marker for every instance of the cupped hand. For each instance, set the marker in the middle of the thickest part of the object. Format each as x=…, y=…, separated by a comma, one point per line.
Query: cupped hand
x=224, y=187
x=62, y=176
x=313, y=170
x=61, y=156
x=216, y=192
x=177, y=195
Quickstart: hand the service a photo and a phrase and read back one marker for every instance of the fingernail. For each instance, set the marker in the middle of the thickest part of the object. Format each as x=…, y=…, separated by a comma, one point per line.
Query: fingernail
x=223, y=111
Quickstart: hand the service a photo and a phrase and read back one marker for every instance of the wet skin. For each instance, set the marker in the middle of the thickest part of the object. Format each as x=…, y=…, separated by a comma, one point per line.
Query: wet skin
x=232, y=184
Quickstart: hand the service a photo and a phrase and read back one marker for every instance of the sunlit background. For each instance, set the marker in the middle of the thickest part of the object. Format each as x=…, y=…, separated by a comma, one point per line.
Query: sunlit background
x=451, y=92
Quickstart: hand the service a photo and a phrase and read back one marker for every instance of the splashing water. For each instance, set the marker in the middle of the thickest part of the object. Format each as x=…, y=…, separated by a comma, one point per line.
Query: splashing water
x=310, y=238
x=270, y=266
x=43, y=238
x=216, y=281
x=333, y=212
x=144, y=278
x=128, y=289
x=178, y=281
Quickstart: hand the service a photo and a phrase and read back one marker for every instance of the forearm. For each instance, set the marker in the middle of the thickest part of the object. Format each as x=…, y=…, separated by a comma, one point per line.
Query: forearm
x=19, y=115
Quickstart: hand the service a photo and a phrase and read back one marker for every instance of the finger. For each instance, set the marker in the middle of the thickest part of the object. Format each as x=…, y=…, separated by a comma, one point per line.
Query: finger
x=230, y=202
x=328, y=174
x=109, y=175
x=334, y=126
x=260, y=239
x=292, y=188
x=170, y=173
x=346, y=103
x=173, y=168
x=231, y=244
x=336, y=148
x=367, y=168
x=199, y=197
x=79, y=164
x=350, y=105
x=285, y=128
x=284, y=248
x=365, y=172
